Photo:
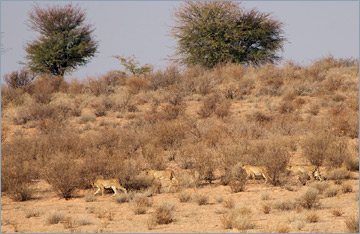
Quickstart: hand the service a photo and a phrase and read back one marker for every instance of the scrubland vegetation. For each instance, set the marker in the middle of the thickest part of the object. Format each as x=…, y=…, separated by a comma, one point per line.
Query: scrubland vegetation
x=201, y=124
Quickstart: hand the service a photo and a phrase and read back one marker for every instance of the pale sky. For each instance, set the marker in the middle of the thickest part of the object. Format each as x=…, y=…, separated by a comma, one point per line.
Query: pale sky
x=313, y=30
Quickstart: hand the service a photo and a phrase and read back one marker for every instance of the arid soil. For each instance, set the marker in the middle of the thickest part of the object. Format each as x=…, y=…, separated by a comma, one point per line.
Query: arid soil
x=106, y=215
x=58, y=136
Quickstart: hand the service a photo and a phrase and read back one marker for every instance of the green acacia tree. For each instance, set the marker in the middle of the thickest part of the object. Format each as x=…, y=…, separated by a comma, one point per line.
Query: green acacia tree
x=65, y=41
x=209, y=33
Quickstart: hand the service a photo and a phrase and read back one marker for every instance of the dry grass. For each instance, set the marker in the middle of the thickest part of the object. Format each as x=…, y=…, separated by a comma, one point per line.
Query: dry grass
x=201, y=199
x=312, y=217
x=55, y=217
x=352, y=224
x=309, y=199
x=337, y=212
x=164, y=213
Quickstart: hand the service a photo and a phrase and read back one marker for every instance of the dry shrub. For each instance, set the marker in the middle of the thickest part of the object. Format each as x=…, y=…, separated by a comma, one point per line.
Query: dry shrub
x=283, y=228
x=320, y=186
x=314, y=109
x=229, y=203
x=276, y=158
x=75, y=87
x=184, y=196
x=286, y=107
x=15, y=97
x=337, y=212
x=90, y=198
x=123, y=198
x=189, y=181
x=309, y=199
x=215, y=103
x=315, y=147
x=19, y=79
x=55, y=217
x=238, y=178
x=201, y=199
x=63, y=174
x=352, y=163
x=346, y=188
x=265, y=196
x=312, y=217
x=43, y=88
x=260, y=117
x=140, y=203
x=285, y=205
x=338, y=153
x=331, y=192
x=162, y=79
x=164, y=213
x=97, y=86
x=271, y=80
x=266, y=208
x=338, y=175
x=352, y=224
x=238, y=218
x=17, y=172
x=32, y=213
x=135, y=84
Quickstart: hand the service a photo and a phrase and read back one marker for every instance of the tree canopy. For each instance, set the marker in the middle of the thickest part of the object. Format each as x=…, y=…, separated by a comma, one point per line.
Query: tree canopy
x=65, y=41
x=209, y=33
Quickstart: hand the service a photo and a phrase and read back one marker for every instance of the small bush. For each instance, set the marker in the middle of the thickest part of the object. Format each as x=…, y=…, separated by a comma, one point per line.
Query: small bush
x=32, y=213
x=314, y=108
x=337, y=212
x=352, y=163
x=265, y=196
x=62, y=173
x=309, y=199
x=320, y=186
x=243, y=223
x=312, y=217
x=184, y=196
x=122, y=198
x=164, y=213
x=238, y=179
x=283, y=228
x=19, y=79
x=346, y=188
x=285, y=205
x=299, y=224
x=140, y=203
x=201, y=199
x=229, y=203
x=266, y=208
x=331, y=192
x=338, y=175
x=55, y=217
x=90, y=198
x=352, y=224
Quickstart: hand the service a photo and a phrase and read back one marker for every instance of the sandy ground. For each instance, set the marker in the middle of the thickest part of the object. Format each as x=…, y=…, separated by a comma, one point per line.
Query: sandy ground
x=106, y=215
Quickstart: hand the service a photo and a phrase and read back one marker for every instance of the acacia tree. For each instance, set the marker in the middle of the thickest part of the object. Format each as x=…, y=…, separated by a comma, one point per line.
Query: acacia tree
x=65, y=41
x=209, y=33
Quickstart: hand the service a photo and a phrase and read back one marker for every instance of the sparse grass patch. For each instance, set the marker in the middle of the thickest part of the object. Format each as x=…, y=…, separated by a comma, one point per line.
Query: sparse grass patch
x=229, y=203
x=90, y=198
x=122, y=198
x=285, y=205
x=283, y=228
x=312, y=217
x=32, y=213
x=346, y=188
x=201, y=199
x=184, y=196
x=331, y=192
x=266, y=208
x=55, y=217
x=298, y=224
x=352, y=224
x=140, y=203
x=164, y=213
x=339, y=174
x=320, y=186
x=337, y=212
x=309, y=199
x=265, y=196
